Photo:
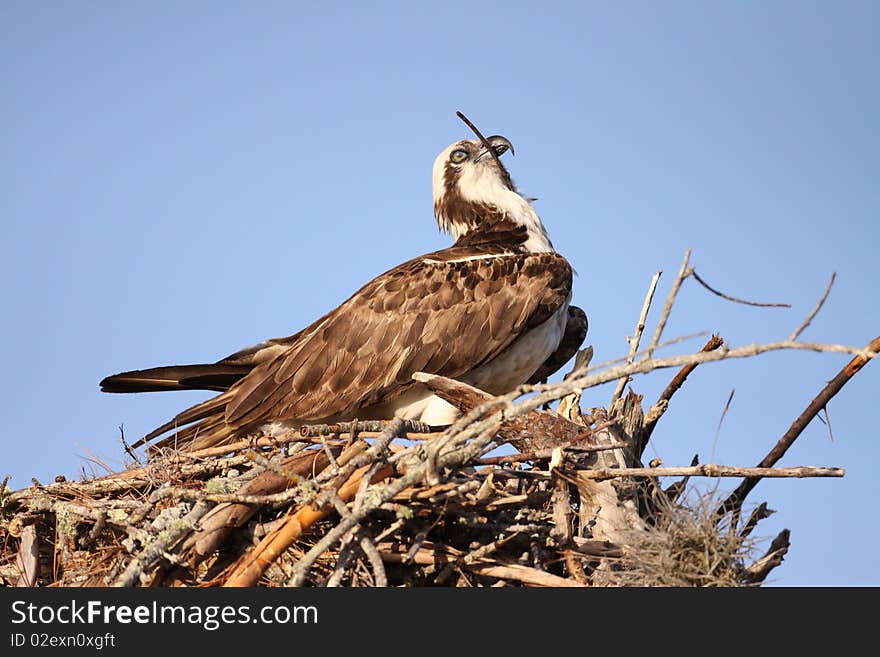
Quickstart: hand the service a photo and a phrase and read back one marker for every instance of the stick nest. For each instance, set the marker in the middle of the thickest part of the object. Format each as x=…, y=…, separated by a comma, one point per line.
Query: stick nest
x=401, y=504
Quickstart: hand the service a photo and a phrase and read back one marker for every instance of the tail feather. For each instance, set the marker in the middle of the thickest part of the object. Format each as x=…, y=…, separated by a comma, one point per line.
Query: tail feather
x=211, y=412
x=209, y=432
x=216, y=376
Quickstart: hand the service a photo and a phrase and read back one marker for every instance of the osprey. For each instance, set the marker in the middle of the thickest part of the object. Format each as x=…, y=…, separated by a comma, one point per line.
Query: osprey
x=492, y=310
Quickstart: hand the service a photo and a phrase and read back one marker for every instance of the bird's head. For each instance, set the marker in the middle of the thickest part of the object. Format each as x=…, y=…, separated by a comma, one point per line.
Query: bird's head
x=473, y=190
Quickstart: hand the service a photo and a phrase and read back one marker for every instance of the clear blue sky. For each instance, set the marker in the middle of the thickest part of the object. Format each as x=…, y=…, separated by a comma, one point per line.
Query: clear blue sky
x=179, y=180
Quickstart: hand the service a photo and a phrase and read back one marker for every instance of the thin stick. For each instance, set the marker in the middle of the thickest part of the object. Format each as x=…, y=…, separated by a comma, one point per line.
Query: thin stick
x=488, y=147
x=721, y=422
x=249, y=568
x=678, y=380
x=637, y=335
x=759, y=514
x=735, y=299
x=273, y=545
x=734, y=502
x=683, y=273
x=800, y=329
x=380, y=578
x=559, y=390
x=159, y=548
x=363, y=426
x=758, y=571
x=710, y=470
x=546, y=453
x=431, y=555
x=828, y=424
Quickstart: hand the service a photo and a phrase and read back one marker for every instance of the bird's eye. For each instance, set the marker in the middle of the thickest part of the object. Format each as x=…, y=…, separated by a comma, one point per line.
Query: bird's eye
x=459, y=156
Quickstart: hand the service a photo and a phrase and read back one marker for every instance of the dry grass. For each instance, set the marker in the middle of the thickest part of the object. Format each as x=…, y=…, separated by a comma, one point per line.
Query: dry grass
x=687, y=547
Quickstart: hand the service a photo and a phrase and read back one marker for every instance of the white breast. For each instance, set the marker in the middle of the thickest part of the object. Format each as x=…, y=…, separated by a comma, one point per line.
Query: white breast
x=513, y=366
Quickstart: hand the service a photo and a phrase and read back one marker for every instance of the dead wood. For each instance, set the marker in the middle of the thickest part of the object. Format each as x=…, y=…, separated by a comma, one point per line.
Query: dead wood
x=401, y=503
x=733, y=503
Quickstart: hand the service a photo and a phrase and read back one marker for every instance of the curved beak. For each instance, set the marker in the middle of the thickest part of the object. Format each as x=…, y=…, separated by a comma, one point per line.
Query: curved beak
x=499, y=144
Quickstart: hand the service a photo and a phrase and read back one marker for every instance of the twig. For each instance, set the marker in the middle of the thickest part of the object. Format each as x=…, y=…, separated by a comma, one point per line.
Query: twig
x=715, y=342
x=562, y=531
x=678, y=380
x=759, y=514
x=126, y=480
x=346, y=556
x=459, y=452
x=294, y=529
x=558, y=390
x=488, y=147
x=721, y=422
x=734, y=501
x=735, y=299
x=674, y=491
x=828, y=424
x=546, y=453
x=249, y=569
x=160, y=546
x=683, y=273
x=815, y=311
x=126, y=446
x=431, y=554
x=710, y=470
x=758, y=571
x=406, y=427
x=380, y=577
x=637, y=335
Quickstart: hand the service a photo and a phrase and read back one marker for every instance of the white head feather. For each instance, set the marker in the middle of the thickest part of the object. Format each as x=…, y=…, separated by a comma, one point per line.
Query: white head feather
x=478, y=180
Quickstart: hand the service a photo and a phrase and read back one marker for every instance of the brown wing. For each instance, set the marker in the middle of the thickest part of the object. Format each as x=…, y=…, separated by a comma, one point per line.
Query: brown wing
x=442, y=314
x=575, y=332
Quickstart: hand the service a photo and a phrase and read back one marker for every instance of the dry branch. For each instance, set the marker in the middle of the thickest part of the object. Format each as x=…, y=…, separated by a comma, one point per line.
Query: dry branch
x=710, y=470
x=431, y=556
x=330, y=508
x=250, y=568
x=734, y=502
x=815, y=311
x=683, y=273
x=637, y=335
x=735, y=299
x=715, y=342
x=758, y=571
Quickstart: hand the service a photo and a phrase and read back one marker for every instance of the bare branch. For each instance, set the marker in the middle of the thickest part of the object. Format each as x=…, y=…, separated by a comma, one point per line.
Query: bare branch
x=759, y=514
x=734, y=502
x=637, y=335
x=715, y=342
x=683, y=273
x=735, y=299
x=758, y=571
x=710, y=470
x=407, y=427
x=160, y=546
x=815, y=311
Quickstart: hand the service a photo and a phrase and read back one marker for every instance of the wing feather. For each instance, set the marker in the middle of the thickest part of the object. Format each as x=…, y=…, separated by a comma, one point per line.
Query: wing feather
x=431, y=314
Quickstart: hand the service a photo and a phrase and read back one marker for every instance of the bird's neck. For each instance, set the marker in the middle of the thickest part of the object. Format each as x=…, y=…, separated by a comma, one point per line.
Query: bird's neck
x=505, y=214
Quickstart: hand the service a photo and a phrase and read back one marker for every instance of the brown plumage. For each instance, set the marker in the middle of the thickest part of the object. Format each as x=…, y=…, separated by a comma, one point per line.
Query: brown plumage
x=453, y=312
